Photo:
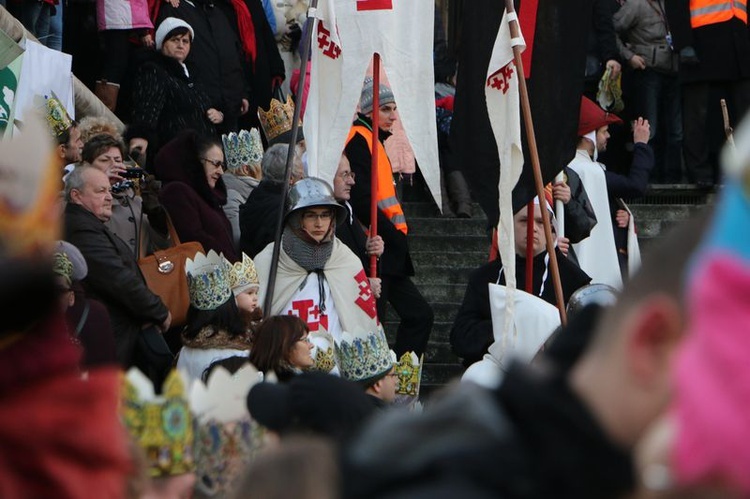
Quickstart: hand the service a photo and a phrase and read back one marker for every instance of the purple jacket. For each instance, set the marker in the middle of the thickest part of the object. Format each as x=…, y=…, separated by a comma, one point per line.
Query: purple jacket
x=195, y=209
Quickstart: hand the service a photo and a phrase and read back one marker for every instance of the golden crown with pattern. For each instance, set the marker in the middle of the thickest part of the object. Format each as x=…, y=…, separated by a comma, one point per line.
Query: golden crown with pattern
x=242, y=275
x=208, y=280
x=364, y=356
x=243, y=149
x=57, y=117
x=226, y=438
x=324, y=357
x=278, y=119
x=62, y=266
x=409, y=373
x=160, y=425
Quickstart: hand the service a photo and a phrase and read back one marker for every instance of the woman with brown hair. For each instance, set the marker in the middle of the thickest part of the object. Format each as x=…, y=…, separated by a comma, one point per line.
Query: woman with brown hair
x=281, y=345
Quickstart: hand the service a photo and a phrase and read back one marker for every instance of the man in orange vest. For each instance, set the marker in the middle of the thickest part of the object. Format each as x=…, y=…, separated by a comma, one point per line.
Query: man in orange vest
x=395, y=265
x=713, y=40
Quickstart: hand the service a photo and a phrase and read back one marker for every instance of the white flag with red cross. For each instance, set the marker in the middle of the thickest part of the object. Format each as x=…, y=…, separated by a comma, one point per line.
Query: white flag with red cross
x=346, y=34
x=503, y=107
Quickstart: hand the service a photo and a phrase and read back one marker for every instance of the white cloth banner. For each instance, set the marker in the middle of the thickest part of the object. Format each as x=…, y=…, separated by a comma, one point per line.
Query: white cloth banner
x=503, y=108
x=346, y=35
x=44, y=72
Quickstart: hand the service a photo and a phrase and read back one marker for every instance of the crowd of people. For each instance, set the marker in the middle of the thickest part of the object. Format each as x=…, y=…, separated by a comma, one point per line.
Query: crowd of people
x=265, y=371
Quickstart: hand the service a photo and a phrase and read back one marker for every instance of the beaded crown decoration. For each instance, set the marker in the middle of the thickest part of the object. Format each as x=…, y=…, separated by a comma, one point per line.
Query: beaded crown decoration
x=243, y=148
x=208, y=280
x=226, y=438
x=409, y=372
x=364, y=356
x=57, y=117
x=278, y=118
x=161, y=425
x=242, y=275
x=324, y=357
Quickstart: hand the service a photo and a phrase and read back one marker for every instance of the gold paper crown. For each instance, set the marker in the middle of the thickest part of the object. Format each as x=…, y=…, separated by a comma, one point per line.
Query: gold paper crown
x=226, y=439
x=162, y=426
x=409, y=372
x=242, y=275
x=243, y=149
x=57, y=117
x=325, y=359
x=278, y=119
x=208, y=280
x=362, y=357
x=62, y=266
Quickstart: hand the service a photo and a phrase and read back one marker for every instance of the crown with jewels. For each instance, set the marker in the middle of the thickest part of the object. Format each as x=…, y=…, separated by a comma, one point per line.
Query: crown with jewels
x=161, y=425
x=277, y=120
x=242, y=275
x=324, y=357
x=409, y=373
x=208, y=280
x=244, y=148
x=56, y=115
x=62, y=266
x=226, y=438
x=364, y=356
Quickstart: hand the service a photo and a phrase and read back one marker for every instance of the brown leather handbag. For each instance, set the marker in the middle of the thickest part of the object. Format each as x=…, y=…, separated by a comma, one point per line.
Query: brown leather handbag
x=164, y=272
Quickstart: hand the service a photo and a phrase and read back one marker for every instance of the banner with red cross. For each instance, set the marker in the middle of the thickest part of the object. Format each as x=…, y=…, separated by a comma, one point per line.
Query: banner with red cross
x=503, y=107
x=346, y=35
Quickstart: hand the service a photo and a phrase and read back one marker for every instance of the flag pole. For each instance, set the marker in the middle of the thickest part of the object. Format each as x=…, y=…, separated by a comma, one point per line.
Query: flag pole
x=374, y=157
x=306, y=46
x=535, y=166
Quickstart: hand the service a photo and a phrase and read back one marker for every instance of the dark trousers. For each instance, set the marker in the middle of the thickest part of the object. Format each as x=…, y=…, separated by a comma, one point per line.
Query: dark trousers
x=116, y=54
x=658, y=100
x=695, y=117
x=415, y=313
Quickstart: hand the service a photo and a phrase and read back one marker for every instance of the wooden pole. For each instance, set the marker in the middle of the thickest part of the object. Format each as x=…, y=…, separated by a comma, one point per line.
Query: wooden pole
x=374, y=156
x=306, y=43
x=531, y=138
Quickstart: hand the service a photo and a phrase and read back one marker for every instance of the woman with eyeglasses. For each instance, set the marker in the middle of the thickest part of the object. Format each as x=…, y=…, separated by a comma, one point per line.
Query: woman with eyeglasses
x=319, y=279
x=190, y=167
x=166, y=98
x=282, y=345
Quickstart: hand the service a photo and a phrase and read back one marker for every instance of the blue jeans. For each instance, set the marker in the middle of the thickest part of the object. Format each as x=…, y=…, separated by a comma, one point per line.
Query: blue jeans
x=56, y=28
x=658, y=100
x=35, y=16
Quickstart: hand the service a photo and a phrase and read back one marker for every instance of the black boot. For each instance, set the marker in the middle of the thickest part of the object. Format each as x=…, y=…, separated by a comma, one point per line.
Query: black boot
x=459, y=193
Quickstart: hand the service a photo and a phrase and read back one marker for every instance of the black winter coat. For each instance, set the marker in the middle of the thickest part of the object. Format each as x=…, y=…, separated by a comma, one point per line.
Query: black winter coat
x=114, y=279
x=723, y=49
x=216, y=53
x=351, y=233
x=259, y=216
x=166, y=101
x=396, y=260
x=471, y=333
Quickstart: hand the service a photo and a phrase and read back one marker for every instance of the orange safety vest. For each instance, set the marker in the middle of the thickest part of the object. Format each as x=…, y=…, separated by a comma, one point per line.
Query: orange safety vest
x=705, y=12
x=387, y=201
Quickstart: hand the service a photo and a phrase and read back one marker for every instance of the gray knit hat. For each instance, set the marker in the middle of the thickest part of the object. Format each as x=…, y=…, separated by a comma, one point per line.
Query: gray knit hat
x=365, y=101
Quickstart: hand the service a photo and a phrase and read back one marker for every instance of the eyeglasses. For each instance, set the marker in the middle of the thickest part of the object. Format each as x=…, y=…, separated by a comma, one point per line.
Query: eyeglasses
x=346, y=175
x=305, y=339
x=217, y=163
x=310, y=216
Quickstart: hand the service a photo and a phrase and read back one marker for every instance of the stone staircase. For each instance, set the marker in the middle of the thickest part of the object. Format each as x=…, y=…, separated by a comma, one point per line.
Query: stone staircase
x=446, y=250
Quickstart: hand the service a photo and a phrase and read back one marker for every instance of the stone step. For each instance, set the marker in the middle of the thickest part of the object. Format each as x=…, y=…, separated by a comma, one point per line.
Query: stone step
x=441, y=374
x=451, y=257
x=426, y=273
x=448, y=226
x=440, y=330
x=436, y=242
x=664, y=211
x=430, y=209
x=443, y=311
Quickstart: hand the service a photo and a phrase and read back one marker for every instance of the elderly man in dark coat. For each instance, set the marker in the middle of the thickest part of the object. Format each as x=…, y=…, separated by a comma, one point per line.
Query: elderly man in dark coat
x=114, y=277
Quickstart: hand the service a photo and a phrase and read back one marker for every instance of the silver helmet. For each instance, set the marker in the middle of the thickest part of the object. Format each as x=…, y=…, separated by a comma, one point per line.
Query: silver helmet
x=599, y=294
x=310, y=192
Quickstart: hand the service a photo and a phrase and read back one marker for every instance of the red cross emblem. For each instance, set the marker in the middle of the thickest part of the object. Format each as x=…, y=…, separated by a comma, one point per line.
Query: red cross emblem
x=326, y=43
x=365, y=300
x=309, y=312
x=500, y=79
x=374, y=4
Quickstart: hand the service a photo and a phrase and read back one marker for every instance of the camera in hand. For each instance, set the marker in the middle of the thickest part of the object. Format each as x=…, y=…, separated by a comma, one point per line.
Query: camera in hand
x=133, y=172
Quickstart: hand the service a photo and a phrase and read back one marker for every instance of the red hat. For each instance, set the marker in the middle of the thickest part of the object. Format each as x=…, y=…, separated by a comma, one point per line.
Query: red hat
x=592, y=117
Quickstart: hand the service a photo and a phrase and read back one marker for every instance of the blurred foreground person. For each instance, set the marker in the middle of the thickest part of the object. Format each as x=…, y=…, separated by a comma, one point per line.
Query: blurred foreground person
x=552, y=433
x=701, y=445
